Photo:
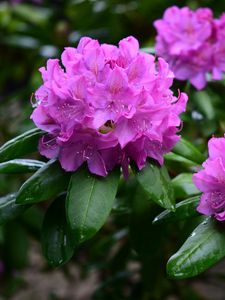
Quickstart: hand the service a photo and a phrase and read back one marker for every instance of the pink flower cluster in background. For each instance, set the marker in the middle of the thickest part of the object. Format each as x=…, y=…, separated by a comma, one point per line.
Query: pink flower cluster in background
x=107, y=106
x=193, y=43
x=211, y=181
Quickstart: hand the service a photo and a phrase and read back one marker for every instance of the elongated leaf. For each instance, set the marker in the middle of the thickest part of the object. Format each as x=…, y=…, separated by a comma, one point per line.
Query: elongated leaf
x=183, y=186
x=204, y=248
x=204, y=102
x=20, y=166
x=179, y=162
x=56, y=236
x=37, y=16
x=89, y=201
x=45, y=184
x=156, y=182
x=9, y=209
x=21, y=145
x=184, y=209
x=20, y=41
x=189, y=151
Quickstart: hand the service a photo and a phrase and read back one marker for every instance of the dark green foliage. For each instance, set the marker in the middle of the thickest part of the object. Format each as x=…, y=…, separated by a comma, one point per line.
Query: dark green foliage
x=184, y=209
x=89, y=201
x=46, y=183
x=156, y=182
x=204, y=247
x=25, y=143
x=20, y=166
x=57, y=238
x=9, y=209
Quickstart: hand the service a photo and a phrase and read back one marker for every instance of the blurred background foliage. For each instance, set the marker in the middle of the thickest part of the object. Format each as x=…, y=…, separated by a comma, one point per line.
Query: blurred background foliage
x=31, y=32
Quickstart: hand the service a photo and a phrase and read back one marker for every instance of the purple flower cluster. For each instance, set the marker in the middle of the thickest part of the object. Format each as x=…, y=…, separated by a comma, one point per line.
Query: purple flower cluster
x=107, y=106
x=193, y=43
x=211, y=181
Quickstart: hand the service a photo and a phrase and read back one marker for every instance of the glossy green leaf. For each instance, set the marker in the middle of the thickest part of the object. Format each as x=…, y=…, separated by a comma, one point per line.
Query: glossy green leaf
x=9, y=210
x=20, y=166
x=184, y=209
x=46, y=183
x=156, y=182
x=204, y=248
x=56, y=236
x=89, y=201
x=189, y=151
x=183, y=186
x=21, y=145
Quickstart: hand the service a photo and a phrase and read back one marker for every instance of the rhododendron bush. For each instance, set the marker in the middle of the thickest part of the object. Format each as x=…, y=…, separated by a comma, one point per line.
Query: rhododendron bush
x=125, y=149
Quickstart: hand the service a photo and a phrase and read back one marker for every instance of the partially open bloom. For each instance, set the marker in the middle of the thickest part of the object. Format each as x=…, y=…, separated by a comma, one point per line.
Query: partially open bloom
x=107, y=106
x=211, y=181
x=192, y=42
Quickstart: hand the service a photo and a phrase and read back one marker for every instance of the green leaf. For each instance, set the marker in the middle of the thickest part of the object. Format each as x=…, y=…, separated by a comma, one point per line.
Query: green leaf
x=20, y=166
x=18, y=41
x=56, y=236
x=204, y=248
x=189, y=151
x=37, y=16
x=156, y=182
x=89, y=201
x=21, y=145
x=46, y=183
x=179, y=162
x=184, y=209
x=183, y=186
x=9, y=210
x=204, y=103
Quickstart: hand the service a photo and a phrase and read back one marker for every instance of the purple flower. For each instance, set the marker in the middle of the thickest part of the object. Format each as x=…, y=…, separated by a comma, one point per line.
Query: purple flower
x=218, y=53
x=211, y=181
x=107, y=106
x=192, y=42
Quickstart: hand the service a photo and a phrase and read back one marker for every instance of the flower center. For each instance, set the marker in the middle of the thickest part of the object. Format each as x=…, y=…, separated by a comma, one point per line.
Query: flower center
x=107, y=127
